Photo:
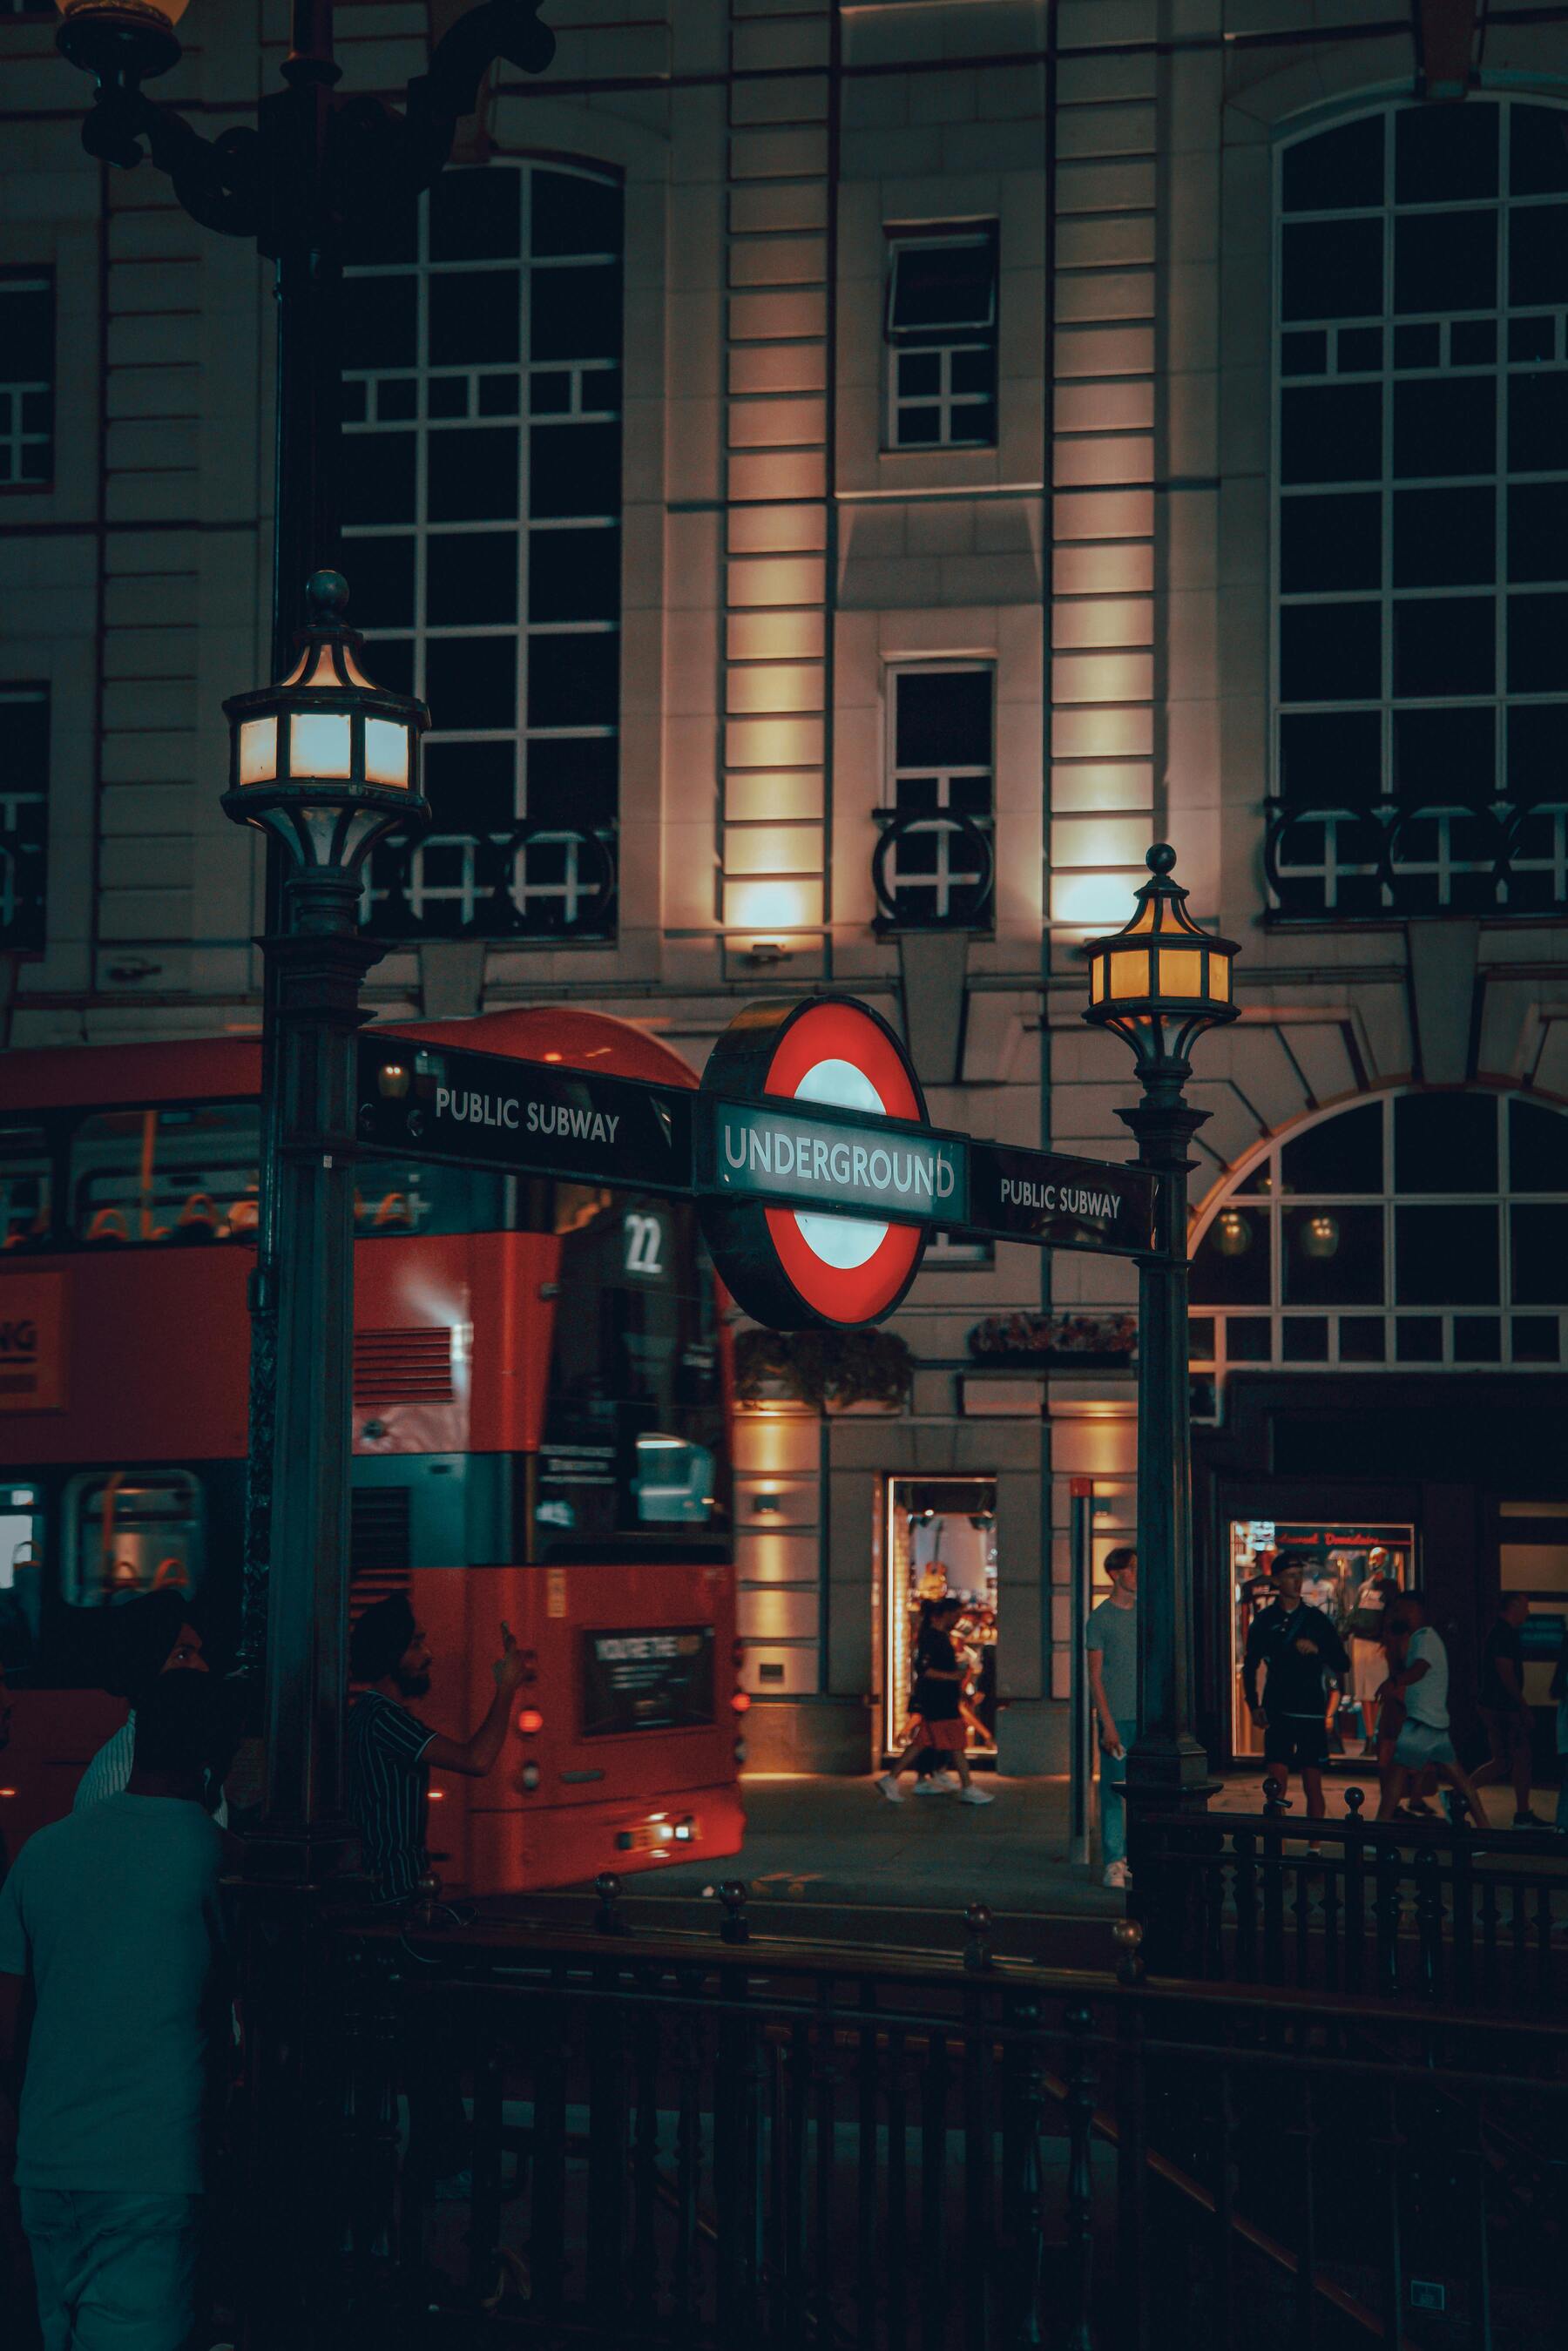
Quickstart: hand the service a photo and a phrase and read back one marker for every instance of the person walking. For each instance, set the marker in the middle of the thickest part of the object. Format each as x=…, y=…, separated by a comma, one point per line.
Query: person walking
x=1111, y=1640
x=937, y=1717
x=1297, y=1648
x=1424, y=1742
x=388, y=1751
x=1368, y=1656
x=112, y=1919
x=1505, y=1710
x=144, y=1637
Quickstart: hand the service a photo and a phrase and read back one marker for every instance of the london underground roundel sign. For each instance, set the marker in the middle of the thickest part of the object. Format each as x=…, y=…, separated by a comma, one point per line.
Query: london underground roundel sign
x=794, y=1267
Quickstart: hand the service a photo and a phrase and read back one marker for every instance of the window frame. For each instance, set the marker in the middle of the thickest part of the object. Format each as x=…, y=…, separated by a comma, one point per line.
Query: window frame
x=22, y=277
x=13, y=900
x=943, y=343
x=895, y=772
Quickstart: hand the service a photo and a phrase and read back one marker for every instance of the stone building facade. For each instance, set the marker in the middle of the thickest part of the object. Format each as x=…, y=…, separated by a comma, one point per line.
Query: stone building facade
x=914, y=454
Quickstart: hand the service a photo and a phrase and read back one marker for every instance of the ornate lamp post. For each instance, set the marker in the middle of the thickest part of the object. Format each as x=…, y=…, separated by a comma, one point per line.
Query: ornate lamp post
x=317, y=168
x=1158, y=984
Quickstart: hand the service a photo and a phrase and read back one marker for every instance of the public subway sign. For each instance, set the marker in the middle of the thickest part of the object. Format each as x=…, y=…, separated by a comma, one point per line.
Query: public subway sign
x=817, y=1173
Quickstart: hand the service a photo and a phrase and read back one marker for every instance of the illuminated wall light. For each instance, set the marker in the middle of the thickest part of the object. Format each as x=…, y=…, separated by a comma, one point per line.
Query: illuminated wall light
x=1319, y=1237
x=1101, y=841
x=1095, y=900
x=770, y=906
x=1232, y=1234
x=773, y=849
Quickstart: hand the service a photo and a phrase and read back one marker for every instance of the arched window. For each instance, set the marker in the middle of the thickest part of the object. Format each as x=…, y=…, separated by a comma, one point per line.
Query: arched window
x=1420, y=659
x=1414, y=1229
x=482, y=536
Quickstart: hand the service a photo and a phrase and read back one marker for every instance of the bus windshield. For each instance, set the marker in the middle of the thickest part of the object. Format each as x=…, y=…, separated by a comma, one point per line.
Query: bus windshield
x=634, y=1455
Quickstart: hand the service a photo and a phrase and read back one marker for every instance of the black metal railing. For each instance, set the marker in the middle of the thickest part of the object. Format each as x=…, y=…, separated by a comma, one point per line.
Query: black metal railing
x=1392, y=1910
x=716, y=2141
x=538, y=883
x=934, y=869
x=1327, y=859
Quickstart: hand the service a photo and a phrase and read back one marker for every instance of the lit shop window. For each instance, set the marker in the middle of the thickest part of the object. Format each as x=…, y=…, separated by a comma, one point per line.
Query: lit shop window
x=482, y=541
x=942, y=340
x=26, y=379
x=1412, y=1229
x=933, y=866
x=1421, y=515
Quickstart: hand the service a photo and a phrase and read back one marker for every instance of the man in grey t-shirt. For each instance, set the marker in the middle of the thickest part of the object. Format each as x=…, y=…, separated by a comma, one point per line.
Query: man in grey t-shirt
x=114, y=1916
x=1112, y=1642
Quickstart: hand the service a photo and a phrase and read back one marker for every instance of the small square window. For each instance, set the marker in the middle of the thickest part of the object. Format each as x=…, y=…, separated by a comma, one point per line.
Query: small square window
x=1477, y=1339
x=1419, y=1338
x=941, y=322
x=1249, y=1339
x=1360, y=350
x=1363, y=1339
x=1530, y=339
x=940, y=285
x=1535, y=1339
x=1201, y=1339
x=1304, y=1339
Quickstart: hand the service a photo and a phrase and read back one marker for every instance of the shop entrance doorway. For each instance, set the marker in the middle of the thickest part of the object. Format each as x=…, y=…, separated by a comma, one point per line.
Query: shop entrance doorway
x=1353, y=1568
x=941, y=1537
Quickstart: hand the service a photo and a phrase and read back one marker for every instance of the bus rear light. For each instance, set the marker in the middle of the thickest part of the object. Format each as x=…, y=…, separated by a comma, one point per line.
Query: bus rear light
x=530, y=1775
x=8, y=1792
x=530, y=1720
x=741, y=1701
x=438, y=1795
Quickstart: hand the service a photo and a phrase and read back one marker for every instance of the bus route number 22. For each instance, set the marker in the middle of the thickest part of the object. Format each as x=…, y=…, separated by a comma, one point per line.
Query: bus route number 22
x=644, y=1243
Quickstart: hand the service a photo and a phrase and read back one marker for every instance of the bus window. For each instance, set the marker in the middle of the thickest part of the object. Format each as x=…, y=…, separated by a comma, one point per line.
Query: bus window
x=132, y=1530
x=186, y=1173
x=24, y=1188
x=393, y=1198
x=634, y=1453
x=21, y=1579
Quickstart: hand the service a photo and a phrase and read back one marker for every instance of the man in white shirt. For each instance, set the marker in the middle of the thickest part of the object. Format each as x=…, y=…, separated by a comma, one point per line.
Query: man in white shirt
x=1424, y=1743
x=114, y=1917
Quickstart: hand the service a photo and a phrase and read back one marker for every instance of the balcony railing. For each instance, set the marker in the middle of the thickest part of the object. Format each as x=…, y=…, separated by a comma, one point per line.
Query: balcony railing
x=1327, y=860
x=540, y=884
x=935, y=871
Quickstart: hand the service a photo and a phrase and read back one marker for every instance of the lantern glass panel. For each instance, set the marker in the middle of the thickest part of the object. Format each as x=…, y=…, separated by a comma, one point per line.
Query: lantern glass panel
x=386, y=752
x=258, y=751
x=1219, y=978
x=1181, y=972
x=1142, y=921
x=1129, y=973
x=1096, y=978
x=319, y=746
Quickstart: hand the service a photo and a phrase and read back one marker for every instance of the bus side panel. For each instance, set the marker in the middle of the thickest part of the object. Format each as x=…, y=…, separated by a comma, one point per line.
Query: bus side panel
x=484, y=1289
x=594, y=1793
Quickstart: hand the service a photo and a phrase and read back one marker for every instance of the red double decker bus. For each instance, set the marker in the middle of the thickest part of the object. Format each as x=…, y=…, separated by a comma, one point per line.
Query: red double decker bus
x=541, y=1435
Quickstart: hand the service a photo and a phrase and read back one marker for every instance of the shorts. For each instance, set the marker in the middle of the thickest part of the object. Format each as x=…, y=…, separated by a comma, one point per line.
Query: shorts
x=1420, y=1743
x=1299, y=1742
x=947, y=1738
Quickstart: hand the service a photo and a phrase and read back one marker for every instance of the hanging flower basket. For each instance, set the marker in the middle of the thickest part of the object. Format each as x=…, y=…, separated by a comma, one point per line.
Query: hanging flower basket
x=1067, y=1342
x=832, y=1371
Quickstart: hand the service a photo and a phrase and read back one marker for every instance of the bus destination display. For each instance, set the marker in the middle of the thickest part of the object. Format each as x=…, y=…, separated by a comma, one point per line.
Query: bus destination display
x=660, y=1679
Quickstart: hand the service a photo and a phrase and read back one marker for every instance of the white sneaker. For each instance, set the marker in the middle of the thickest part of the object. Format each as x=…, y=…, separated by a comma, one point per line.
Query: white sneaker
x=938, y=1783
x=1118, y=1874
x=888, y=1783
x=973, y=1795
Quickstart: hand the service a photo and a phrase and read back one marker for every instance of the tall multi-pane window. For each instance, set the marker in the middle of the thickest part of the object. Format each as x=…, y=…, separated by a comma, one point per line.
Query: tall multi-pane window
x=933, y=870
x=941, y=332
x=23, y=817
x=482, y=538
x=1421, y=539
x=26, y=379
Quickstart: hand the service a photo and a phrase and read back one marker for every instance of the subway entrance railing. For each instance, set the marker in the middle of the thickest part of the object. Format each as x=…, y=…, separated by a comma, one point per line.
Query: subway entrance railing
x=717, y=2143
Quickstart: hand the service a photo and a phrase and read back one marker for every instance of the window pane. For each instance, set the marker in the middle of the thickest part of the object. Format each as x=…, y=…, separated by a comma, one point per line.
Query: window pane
x=1538, y=152
x=974, y=369
x=1363, y=1339
x=472, y=476
x=1537, y=532
x=447, y=396
x=470, y=576
x=1539, y=1237
x=1338, y=170
x=575, y=681
x=1537, y=256
x=388, y=663
x=180, y=1174
x=937, y=284
x=572, y=783
x=472, y=786
x=1338, y=1155
x=471, y=682
x=1445, y=1256
x=1360, y=350
x=1445, y=427
x=918, y=428
x=919, y=374
x=574, y=575
x=380, y=579
x=1444, y=645
x=27, y=332
x=943, y=719
x=1443, y=755
x=1332, y=269
x=1305, y=354
x=1304, y=1339
x=473, y=317
x=1231, y=1267
x=1333, y=1257
x=1417, y=347
x=574, y=469
x=1443, y=153
x=1330, y=653
x=1331, y=755
x=1331, y=432
x=571, y=214
x=377, y=478
x=1445, y=261
x=1535, y=1338
x=575, y=313
x=1472, y=342
x=381, y=323
x=1537, y=643
x=1419, y=1338
x=1249, y=1339
x=476, y=216
x=1330, y=542
x=1537, y=750
x=1445, y=1143
x=1443, y=538
x=1537, y=1148
x=24, y=1187
x=137, y=1530
x=1477, y=1339
x=1537, y=422
x=1532, y=338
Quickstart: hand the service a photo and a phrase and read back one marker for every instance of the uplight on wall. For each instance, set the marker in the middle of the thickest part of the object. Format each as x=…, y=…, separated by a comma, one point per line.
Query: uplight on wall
x=1088, y=901
x=766, y=910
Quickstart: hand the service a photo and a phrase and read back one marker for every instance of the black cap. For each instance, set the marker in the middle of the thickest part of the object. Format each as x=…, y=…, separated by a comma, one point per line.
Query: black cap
x=137, y=1638
x=379, y=1637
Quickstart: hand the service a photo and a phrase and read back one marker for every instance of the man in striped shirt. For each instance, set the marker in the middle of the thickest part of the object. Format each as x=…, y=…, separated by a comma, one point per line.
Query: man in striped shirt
x=387, y=1753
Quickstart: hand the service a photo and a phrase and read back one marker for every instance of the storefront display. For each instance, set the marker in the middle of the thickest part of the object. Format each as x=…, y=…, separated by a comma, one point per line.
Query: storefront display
x=1350, y=1566
x=941, y=1538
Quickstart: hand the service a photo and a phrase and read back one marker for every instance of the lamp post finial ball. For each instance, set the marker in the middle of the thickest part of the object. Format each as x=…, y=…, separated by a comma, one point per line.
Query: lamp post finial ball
x=326, y=598
x=1161, y=858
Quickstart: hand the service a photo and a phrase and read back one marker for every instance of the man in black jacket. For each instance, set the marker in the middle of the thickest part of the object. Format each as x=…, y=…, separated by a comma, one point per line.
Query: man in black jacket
x=1298, y=1649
